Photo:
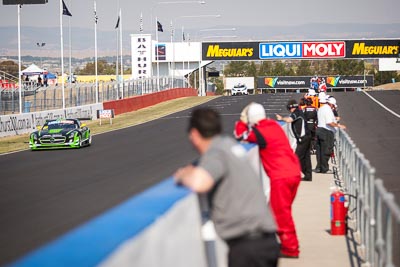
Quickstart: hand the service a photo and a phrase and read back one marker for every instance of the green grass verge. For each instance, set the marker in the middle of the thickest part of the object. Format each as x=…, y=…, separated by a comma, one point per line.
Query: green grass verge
x=21, y=142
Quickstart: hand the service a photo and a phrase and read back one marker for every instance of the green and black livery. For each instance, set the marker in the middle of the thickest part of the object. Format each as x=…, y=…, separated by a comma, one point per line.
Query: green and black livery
x=60, y=133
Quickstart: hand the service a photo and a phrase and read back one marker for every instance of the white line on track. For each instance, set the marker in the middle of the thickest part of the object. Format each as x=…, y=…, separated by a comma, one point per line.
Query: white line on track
x=382, y=105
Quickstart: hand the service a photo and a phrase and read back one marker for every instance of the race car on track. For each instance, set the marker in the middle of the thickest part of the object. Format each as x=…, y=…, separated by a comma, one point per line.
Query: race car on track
x=239, y=89
x=60, y=133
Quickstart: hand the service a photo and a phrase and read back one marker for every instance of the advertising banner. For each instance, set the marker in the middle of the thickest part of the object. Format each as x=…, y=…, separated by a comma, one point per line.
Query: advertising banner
x=230, y=51
x=372, y=48
x=272, y=50
x=284, y=82
x=302, y=50
x=304, y=82
x=353, y=81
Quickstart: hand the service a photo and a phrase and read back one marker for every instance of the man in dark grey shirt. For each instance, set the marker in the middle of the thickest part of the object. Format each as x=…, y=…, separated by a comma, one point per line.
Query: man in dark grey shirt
x=238, y=205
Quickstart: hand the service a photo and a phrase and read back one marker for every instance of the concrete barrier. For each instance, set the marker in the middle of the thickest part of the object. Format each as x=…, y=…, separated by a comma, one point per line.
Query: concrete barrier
x=138, y=102
x=17, y=124
x=159, y=227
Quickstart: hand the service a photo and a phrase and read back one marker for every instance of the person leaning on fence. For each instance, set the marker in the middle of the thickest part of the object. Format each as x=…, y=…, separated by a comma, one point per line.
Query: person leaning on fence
x=302, y=135
x=238, y=204
x=327, y=125
x=283, y=169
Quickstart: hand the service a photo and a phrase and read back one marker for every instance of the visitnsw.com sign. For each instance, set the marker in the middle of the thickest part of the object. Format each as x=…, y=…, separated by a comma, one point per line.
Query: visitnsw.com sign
x=304, y=82
x=301, y=50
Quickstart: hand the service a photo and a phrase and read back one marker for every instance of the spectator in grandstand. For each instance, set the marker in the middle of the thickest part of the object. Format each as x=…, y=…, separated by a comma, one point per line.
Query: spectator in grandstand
x=302, y=135
x=326, y=129
x=282, y=167
x=238, y=204
x=45, y=80
x=39, y=81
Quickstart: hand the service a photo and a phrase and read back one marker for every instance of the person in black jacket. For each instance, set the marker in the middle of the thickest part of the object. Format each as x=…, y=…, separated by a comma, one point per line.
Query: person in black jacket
x=302, y=135
x=311, y=117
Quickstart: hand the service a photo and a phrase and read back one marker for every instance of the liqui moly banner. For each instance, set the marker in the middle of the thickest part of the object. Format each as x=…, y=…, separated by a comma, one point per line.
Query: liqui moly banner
x=303, y=50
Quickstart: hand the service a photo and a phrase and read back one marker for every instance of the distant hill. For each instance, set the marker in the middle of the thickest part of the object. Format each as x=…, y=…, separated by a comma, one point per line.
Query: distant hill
x=83, y=39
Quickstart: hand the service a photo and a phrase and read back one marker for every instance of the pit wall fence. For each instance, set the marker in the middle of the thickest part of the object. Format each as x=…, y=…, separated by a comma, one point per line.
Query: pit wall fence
x=373, y=214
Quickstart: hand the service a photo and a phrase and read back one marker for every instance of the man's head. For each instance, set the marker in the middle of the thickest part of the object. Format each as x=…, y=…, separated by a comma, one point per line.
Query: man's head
x=331, y=101
x=255, y=113
x=308, y=101
x=204, y=124
x=292, y=105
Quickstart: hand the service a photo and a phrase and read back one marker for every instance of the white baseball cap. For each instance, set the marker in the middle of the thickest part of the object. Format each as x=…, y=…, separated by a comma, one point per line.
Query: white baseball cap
x=256, y=113
x=332, y=100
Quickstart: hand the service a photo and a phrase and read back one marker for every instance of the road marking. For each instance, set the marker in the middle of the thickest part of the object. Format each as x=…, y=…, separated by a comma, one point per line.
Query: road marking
x=382, y=105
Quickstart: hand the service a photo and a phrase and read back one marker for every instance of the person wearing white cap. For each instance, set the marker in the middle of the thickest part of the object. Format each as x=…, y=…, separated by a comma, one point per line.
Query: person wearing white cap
x=334, y=106
x=327, y=125
x=282, y=167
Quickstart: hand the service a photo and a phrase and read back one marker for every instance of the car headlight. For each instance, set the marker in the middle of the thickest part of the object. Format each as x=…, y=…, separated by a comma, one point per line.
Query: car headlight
x=71, y=135
x=34, y=139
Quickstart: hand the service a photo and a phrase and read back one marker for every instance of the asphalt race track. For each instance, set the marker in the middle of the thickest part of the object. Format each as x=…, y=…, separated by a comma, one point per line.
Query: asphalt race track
x=375, y=131
x=46, y=193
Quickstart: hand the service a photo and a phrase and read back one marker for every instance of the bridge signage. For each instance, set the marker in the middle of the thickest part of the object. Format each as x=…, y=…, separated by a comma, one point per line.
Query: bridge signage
x=273, y=50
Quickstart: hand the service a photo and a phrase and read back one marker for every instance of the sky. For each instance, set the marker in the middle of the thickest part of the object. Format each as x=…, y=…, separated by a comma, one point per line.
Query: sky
x=233, y=13
x=251, y=19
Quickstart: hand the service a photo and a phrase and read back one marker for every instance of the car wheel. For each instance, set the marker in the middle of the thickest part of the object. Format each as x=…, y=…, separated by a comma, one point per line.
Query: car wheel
x=79, y=141
x=89, y=141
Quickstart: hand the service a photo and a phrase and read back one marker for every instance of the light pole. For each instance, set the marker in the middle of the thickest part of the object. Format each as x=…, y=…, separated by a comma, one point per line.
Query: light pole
x=19, y=61
x=191, y=17
x=40, y=45
x=153, y=9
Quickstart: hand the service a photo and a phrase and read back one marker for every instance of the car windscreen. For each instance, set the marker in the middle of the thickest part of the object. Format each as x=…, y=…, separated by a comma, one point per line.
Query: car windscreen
x=61, y=125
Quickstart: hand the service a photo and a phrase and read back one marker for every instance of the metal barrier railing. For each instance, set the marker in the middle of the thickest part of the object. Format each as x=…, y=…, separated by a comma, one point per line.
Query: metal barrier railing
x=77, y=94
x=373, y=213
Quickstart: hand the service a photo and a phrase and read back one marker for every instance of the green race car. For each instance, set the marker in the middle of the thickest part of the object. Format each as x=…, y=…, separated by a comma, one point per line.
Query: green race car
x=60, y=133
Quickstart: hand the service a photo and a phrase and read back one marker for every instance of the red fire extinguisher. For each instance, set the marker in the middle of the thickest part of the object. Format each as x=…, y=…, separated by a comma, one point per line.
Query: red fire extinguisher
x=338, y=213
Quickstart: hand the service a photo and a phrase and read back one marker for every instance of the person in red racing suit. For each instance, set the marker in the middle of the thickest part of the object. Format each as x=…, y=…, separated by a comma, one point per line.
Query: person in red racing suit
x=283, y=168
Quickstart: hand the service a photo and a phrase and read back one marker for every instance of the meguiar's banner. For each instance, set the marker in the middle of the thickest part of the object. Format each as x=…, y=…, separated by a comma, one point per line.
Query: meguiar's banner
x=372, y=48
x=230, y=51
x=276, y=50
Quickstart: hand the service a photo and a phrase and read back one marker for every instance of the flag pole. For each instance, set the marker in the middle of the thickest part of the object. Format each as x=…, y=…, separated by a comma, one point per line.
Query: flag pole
x=173, y=54
x=120, y=49
x=116, y=67
x=183, y=59
x=19, y=61
x=62, y=55
x=95, y=52
x=156, y=55
x=141, y=31
x=70, y=48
